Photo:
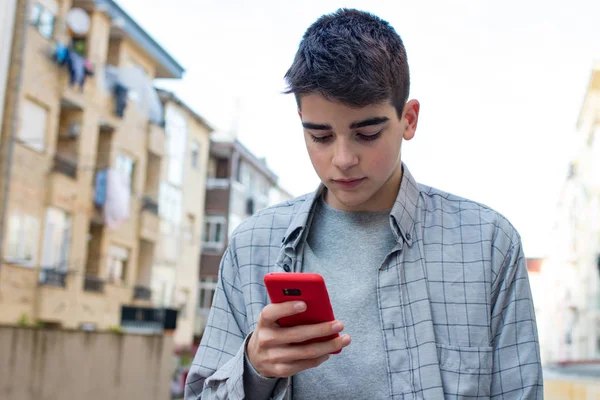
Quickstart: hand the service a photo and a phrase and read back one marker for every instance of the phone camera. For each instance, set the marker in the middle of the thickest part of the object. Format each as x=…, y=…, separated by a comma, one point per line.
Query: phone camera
x=292, y=292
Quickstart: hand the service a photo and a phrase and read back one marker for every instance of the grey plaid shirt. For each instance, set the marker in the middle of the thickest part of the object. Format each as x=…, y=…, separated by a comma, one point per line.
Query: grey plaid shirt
x=454, y=300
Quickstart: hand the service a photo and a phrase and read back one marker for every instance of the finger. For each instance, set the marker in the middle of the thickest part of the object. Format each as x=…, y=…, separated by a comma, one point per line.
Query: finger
x=271, y=313
x=285, y=370
x=311, y=351
x=302, y=333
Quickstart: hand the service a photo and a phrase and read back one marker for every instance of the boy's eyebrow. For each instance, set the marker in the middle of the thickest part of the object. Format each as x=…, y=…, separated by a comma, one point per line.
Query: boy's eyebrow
x=369, y=122
x=316, y=127
x=354, y=125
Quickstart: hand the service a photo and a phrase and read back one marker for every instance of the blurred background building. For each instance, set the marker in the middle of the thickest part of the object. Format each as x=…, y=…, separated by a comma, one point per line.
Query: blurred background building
x=239, y=184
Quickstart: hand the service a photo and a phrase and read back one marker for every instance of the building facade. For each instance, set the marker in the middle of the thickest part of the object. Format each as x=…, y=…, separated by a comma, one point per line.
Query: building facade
x=570, y=330
x=239, y=184
x=82, y=188
x=181, y=210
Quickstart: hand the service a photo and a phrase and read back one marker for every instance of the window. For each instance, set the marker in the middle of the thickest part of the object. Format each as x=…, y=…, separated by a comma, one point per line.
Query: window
x=169, y=242
x=57, y=239
x=43, y=17
x=176, y=129
x=214, y=229
x=125, y=166
x=212, y=168
x=116, y=267
x=195, y=154
x=34, y=120
x=22, y=240
x=170, y=204
x=206, y=292
x=163, y=285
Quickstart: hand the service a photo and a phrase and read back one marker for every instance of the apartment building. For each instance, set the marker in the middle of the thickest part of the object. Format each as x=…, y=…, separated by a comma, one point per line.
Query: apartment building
x=83, y=212
x=571, y=272
x=239, y=184
x=182, y=192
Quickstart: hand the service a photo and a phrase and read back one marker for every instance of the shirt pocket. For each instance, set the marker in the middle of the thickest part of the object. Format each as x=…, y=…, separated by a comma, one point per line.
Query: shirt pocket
x=466, y=371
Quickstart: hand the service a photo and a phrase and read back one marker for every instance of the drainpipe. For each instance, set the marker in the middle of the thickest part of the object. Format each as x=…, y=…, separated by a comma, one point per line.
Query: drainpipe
x=10, y=146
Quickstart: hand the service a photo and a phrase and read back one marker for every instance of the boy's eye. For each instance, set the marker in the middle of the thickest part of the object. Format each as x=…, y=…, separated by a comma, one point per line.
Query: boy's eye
x=367, y=138
x=320, y=139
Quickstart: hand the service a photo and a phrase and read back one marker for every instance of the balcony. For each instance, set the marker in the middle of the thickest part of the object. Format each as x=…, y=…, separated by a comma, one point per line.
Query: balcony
x=62, y=190
x=146, y=320
x=53, y=277
x=156, y=139
x=149, y=204
x=65, y=166
x=73, y=96
x=217, y=183
x=93, y=284
x=142, y=293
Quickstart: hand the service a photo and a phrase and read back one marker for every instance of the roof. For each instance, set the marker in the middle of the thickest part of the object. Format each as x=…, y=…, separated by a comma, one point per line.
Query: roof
x=226, y=149
x=166, y=96
x=167, y=66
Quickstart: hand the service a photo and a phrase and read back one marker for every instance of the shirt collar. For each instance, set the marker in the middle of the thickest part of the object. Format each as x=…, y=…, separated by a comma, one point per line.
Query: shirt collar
x=402, y=216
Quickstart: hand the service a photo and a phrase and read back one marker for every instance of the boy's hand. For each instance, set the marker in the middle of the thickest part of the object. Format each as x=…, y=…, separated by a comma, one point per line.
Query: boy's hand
x=274, y=351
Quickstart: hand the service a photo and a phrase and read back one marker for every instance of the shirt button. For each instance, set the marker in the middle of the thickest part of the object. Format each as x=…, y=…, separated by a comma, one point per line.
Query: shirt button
x=408, y=236
x=286, y=268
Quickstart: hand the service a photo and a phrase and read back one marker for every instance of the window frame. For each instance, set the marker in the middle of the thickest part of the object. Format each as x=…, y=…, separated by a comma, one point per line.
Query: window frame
x=23, y=236
x=211, y=222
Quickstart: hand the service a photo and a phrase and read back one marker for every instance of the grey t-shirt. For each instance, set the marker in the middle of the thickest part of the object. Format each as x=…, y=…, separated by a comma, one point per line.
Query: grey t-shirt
x=347, y=249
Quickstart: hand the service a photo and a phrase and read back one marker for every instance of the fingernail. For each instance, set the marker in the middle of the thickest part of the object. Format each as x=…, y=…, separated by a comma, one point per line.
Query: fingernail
x=300, y=306
x=346, y=340
x=337, y=327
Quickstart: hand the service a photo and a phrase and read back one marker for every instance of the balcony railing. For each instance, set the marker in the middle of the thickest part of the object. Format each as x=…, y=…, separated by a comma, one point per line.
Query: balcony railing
x=65, y=166
x=53, y=277
x=148, y=203
x=93, y=284
x=142, y=293
x=146, y=320
x=217, y=183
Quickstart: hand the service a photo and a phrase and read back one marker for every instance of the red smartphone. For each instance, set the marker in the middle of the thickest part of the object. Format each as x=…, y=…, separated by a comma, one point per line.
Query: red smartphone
x=307, y=287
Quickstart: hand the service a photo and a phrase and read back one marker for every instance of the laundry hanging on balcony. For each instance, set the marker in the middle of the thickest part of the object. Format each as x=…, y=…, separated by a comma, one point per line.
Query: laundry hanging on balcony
x=100, y=188
x=79, y=68
x=118, y=198
x=139, y=88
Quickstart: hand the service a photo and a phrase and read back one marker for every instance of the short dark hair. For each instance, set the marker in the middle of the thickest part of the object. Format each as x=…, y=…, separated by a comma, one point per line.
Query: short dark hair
x=353, y=57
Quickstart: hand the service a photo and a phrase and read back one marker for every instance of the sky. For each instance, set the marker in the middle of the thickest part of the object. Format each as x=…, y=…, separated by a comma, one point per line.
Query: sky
x=500, y=84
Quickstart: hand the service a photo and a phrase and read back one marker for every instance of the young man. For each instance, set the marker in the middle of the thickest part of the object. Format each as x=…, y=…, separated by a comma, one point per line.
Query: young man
x=430, y=289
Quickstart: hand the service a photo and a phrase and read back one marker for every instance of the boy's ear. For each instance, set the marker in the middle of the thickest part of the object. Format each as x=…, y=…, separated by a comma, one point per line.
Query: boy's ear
x=411, y=114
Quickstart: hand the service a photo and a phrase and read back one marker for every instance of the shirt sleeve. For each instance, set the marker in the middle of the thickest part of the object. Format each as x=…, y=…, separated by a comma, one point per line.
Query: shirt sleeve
x=256, y=386
x=517, y=371
x=218, y=369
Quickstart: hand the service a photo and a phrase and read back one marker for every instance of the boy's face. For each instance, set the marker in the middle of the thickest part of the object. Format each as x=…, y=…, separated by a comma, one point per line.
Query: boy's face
x=356, y=151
